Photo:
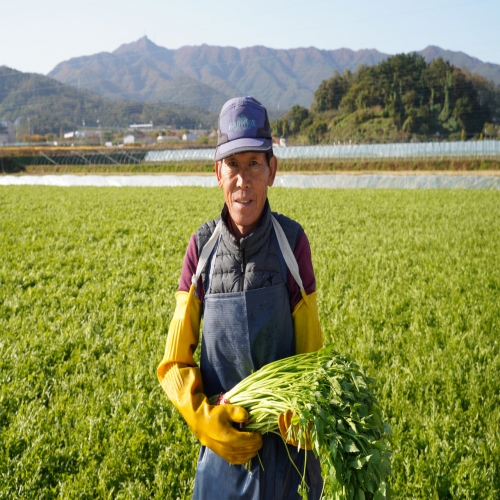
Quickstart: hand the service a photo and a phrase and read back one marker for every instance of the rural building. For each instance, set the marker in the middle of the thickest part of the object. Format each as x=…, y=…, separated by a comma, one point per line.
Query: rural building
x=76, y=134
x=137, y=138
x=7, y=133
x=129, y=139
x=189, y=137
x=167, y=138
x=280, y=142
x=141, y=126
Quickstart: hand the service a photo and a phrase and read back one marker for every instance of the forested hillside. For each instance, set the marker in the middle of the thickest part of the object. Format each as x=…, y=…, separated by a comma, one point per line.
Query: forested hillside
x=402, y=98
x=52, y=106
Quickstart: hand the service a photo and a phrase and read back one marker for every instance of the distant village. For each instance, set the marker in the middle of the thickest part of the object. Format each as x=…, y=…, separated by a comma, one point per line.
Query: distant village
x=137, y=134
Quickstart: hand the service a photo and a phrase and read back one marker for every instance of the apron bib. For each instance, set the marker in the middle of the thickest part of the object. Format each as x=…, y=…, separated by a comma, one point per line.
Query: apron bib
x=243, y=331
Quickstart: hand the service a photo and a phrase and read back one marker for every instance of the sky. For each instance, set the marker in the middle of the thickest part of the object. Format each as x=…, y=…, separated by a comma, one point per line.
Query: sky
x=35, y=36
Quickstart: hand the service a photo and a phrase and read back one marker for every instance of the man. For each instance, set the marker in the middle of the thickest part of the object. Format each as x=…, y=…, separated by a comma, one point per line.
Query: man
x=250, y=274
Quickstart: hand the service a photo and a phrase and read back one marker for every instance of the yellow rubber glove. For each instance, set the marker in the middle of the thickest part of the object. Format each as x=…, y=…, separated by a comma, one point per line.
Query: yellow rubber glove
x=284, y=422
x=307, y=339
x=181, y=379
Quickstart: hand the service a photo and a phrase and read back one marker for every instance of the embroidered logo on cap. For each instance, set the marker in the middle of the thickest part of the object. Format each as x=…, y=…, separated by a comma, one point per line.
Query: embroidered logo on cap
x=242, y=123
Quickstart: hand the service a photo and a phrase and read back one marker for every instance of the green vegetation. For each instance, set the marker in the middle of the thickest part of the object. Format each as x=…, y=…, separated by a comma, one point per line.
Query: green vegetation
x=401, y=98
x=53, y=107
x=408, y=286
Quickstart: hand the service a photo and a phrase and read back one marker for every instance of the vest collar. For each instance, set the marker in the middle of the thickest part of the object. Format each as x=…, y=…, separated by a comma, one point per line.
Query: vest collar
x=254, y=241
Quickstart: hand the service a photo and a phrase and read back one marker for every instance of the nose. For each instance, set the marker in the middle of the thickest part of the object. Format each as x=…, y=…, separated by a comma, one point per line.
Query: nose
x=244, y=178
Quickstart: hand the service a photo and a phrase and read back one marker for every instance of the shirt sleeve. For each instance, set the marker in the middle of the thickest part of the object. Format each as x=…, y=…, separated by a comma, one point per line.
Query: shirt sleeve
x=189, y=268
x=302, y=253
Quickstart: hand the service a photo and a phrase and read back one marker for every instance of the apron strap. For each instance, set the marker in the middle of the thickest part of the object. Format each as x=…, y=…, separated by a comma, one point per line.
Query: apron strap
x=287, y=252
x=281, y=259
x=205, y=253
x=211, y=264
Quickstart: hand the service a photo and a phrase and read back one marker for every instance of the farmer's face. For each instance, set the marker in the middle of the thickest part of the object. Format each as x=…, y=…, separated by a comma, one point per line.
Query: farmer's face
x=244, y=178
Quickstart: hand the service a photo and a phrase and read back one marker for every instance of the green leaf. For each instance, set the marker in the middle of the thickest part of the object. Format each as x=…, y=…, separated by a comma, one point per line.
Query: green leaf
x=356, y=464
x=350, y=447
x=333, y=449
x=374, y=456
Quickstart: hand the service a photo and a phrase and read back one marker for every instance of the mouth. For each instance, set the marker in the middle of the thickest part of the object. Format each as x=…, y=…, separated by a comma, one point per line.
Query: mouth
x=244, y=202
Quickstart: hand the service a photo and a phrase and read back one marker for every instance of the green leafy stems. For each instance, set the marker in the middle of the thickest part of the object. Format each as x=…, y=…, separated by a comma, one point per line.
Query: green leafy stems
x=332, y=408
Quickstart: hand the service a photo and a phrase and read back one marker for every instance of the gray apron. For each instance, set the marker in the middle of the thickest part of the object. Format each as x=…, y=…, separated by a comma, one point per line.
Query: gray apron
x=243, y=331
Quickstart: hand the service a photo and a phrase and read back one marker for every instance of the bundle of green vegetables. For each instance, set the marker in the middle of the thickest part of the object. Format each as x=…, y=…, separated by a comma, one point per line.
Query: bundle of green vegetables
x=333, y=409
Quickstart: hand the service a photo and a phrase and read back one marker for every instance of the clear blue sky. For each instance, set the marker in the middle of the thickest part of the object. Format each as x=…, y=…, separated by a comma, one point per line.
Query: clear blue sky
x=36, y=35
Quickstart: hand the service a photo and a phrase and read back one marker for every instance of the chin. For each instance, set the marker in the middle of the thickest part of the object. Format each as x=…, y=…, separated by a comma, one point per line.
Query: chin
x=242, y=216
x=244, y=222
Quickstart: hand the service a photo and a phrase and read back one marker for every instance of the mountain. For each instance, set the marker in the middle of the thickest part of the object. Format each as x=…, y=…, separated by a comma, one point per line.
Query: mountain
x=462, y=60
x=207, y=76
x=51, y=105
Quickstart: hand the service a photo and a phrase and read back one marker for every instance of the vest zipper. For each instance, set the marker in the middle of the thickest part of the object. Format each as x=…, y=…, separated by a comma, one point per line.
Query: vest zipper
x=242, y=282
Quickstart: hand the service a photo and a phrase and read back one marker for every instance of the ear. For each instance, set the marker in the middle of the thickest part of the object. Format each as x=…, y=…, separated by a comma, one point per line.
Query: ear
x=218, y=172
x=273, y=167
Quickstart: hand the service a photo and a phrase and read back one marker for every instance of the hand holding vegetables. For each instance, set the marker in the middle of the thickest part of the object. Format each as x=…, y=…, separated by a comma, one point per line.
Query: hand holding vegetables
x=213, y=426
x=288, y=433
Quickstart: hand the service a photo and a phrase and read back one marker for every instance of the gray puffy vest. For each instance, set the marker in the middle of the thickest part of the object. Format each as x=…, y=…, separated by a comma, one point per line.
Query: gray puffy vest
x=253, y=262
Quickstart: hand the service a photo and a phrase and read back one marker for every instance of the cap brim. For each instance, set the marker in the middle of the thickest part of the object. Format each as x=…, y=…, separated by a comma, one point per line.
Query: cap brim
x=243, y=145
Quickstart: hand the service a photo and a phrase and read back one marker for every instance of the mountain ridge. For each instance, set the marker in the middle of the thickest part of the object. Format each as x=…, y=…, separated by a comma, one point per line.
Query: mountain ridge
x=279, y=77
x=206, y=75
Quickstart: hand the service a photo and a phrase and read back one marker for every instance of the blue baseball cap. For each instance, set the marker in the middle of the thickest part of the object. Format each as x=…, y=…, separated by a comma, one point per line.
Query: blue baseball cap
x=243, y=126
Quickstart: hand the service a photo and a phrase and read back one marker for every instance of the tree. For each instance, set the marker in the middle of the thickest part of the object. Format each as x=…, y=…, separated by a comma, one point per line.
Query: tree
x=316, y=131
x=330, y=92
x=296, y=117
x=280, y=127
x=490, y=130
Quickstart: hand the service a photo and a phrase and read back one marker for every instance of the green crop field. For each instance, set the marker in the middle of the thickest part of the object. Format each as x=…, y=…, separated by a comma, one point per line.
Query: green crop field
x=408, y=284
